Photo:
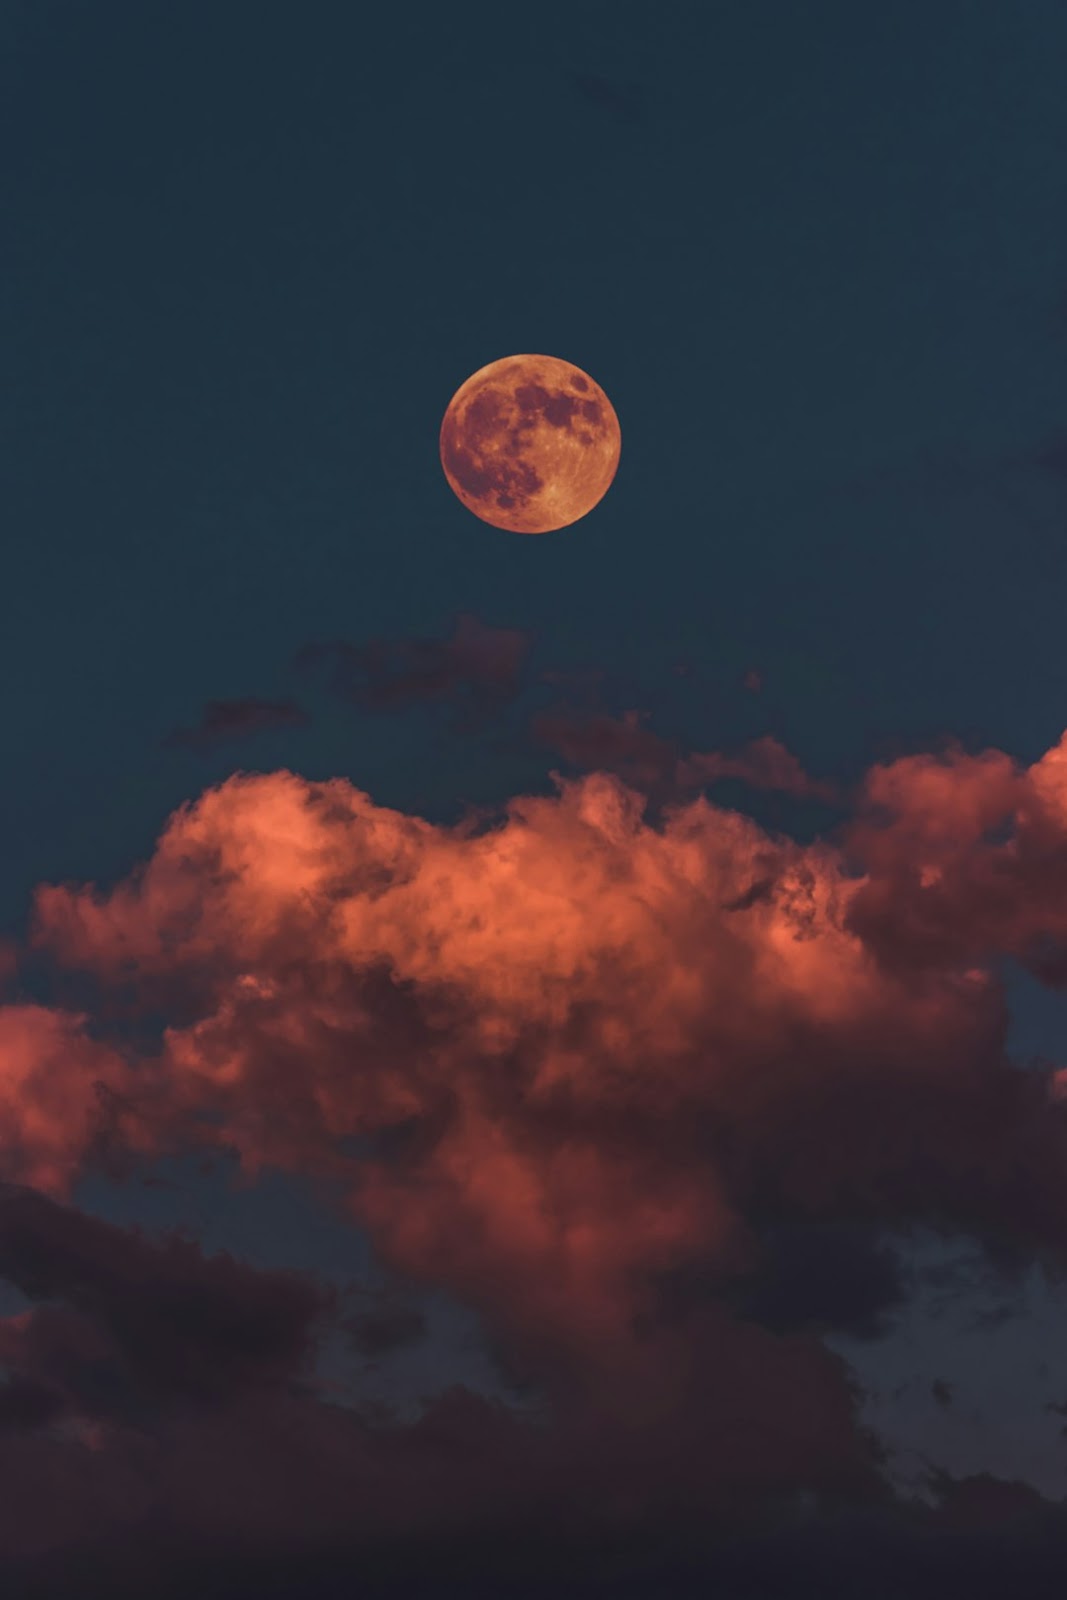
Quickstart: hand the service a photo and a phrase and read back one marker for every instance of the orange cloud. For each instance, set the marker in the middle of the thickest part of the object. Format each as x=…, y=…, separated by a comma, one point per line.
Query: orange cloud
x=602, y=1077
x=57, y=1088
x=966, y=861
x=577, y=1046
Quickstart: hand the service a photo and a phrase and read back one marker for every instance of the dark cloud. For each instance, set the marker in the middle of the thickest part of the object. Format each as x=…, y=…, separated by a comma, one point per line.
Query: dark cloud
x=475, y=673
x=983, y=1537
x=983, y=1500
x=28, y=1403
x=172, y=1323
x=941, y=1391
x=997, y=1315
x=801, y=1278
x=601, y=742
x=382, y=1328
x=223, y=721
x=765, y=763
x=478, y=673
x=831, y=1277
x=604, y=743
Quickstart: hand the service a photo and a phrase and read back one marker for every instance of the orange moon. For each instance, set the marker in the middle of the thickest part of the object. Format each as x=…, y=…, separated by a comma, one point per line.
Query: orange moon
x=530, y=443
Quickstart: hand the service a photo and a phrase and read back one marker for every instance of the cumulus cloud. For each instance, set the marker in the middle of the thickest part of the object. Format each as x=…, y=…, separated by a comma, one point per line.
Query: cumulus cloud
x=57, y=1088
x=510, y=995
x=652, y=1097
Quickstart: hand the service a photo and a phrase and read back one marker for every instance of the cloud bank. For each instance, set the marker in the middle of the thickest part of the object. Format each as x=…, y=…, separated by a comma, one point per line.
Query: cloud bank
x=653, y=1097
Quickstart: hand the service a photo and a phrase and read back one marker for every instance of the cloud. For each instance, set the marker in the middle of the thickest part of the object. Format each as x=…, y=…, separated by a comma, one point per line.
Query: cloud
x=623, y=745
x=225, y=720
x=827, y=1277
x=26, y=1403
x=966, y=857
x=519, y=991
x=173, y=1323
x=57, y=1095
x=476, y=672
x=385, y=1326
x=605, y=743
x=984, y=1536
x=652, y=1097
x=479, y=672
x=763, y=764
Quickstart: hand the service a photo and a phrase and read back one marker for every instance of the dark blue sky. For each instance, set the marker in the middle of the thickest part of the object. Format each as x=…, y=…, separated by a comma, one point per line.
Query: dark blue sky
x=816, y=256
x=252, y=255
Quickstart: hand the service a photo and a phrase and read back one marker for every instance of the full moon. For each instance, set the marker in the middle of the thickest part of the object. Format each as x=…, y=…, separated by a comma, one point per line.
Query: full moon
x=530, y=443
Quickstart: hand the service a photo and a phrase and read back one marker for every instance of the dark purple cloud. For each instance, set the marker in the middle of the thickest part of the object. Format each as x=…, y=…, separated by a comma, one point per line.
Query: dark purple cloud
x=170, y=1323
x=384, y=1326
x=942, y=1391
x=224, y=721
x=475, y=673
x=599, y=742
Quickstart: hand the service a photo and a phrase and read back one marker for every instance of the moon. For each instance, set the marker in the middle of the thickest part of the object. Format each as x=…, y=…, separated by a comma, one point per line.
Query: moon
x=530, y=443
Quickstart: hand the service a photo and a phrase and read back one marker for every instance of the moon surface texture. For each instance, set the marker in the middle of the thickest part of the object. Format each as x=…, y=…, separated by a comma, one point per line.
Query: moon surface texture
x=530, y=443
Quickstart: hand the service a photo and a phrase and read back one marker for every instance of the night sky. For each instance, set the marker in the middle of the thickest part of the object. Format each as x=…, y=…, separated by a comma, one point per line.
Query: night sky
x=533, y=1064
